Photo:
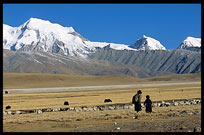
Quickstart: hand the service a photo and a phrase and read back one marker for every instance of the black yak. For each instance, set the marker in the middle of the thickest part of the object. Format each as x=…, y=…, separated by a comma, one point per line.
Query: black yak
x=8, y=107
x=107, y=100
x=66, y=103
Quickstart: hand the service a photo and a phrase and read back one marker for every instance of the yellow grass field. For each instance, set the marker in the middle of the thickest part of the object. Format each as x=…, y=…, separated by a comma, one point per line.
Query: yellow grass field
x=90, y=98
x=81, y=98
x=39, y=80
x=70, y=121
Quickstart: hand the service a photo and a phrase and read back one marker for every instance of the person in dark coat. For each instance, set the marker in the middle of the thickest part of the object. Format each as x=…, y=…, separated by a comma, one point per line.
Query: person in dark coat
x=148, y=104
x=136, y=100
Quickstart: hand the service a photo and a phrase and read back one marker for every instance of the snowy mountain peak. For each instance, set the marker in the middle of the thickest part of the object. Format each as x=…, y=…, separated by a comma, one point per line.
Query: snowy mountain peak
x=190, y=42
x=148, y=43
x=42, y=35
x=32, y=19
x=144, y=36
x=45, y=25
x=36, y=20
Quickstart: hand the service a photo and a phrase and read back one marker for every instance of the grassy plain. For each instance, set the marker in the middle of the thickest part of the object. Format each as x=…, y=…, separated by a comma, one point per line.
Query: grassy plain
x=91, y=121
x=80, y=98
x=39, y=80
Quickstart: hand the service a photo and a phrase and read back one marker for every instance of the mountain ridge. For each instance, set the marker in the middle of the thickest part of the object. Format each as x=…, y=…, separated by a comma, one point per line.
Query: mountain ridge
x=42, y=35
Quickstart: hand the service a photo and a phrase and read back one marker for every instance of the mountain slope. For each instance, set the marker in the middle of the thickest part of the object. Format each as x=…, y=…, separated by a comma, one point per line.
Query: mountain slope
x=173, y=61
x=43, y=62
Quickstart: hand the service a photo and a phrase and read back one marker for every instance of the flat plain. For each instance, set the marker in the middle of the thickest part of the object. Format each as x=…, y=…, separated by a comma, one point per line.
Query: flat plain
x=97, y=121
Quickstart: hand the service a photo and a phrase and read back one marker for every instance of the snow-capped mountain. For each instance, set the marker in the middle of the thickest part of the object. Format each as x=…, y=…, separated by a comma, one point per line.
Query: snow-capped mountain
x=40, y=35
x=41, y=43
x=148, y=43
x=190, y=42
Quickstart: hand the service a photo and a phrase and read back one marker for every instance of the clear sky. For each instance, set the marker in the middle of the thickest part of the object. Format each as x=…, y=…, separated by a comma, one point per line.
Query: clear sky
x=116, y=23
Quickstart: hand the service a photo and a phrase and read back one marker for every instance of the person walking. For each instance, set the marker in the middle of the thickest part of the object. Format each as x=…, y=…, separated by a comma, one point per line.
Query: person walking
x=148, y=104
x=136, y=100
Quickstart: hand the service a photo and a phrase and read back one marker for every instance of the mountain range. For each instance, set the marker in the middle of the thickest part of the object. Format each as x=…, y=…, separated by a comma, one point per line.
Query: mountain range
x=41, y=46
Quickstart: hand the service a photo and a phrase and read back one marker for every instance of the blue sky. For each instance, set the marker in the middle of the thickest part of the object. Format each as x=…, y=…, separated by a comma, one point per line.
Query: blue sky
x=116, y=23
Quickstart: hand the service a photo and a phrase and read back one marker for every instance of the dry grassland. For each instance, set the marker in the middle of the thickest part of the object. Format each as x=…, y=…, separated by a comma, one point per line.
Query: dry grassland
x=97, y=121
x=90, y=98
x=37, y=80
